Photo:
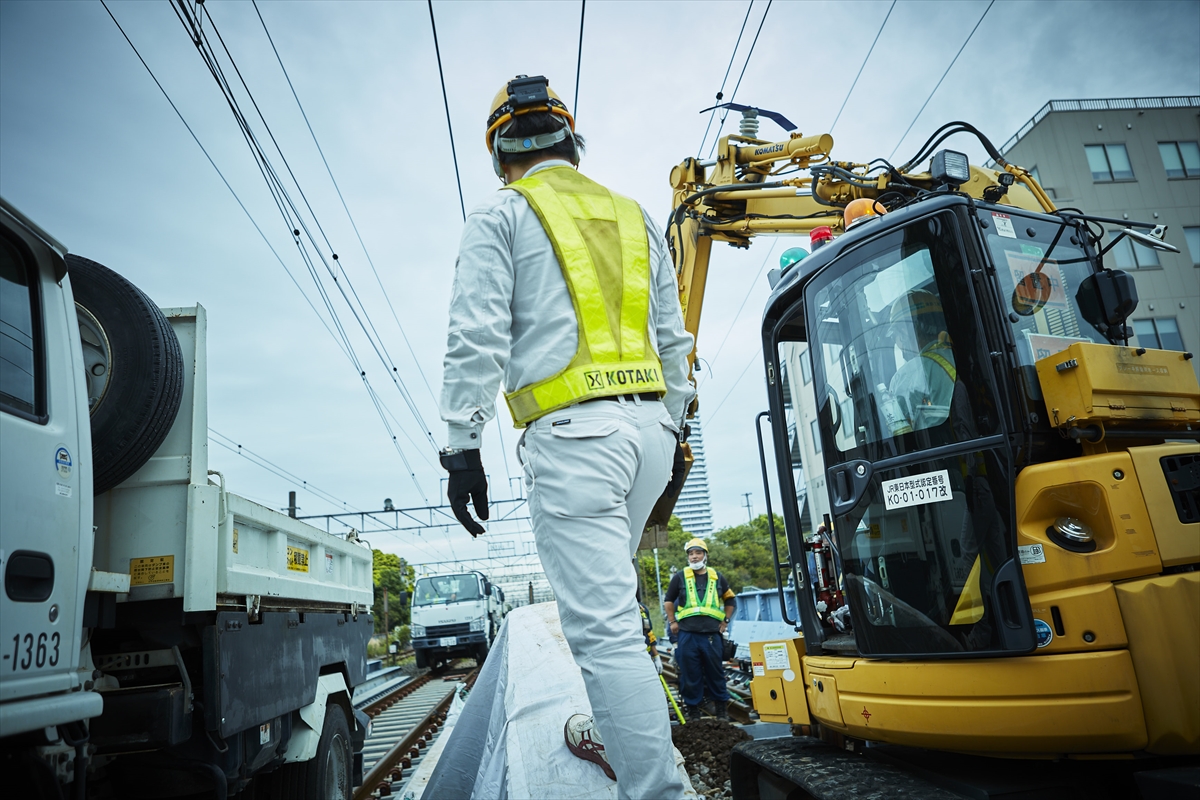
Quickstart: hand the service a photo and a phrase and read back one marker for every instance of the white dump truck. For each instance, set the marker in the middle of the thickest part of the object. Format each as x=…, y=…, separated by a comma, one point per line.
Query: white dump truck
x=161, y=635
x=456, y=614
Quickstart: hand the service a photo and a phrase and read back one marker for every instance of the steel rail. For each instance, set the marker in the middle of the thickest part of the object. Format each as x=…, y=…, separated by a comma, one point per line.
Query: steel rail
x=417, y=737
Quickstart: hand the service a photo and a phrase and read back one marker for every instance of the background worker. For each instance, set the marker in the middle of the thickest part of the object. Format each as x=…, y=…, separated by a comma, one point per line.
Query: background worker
x=699, y=605
x=924, y=385
x=565, y=294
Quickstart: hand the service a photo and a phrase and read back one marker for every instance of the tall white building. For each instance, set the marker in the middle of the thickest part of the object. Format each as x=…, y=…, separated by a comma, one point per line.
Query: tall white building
x=694, y=507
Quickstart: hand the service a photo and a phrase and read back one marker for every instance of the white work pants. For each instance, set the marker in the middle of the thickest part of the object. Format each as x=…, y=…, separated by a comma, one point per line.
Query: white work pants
x=593, y=472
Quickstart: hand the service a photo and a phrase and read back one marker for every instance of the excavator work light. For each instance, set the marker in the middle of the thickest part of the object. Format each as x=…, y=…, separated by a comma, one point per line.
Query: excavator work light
x=950, y=167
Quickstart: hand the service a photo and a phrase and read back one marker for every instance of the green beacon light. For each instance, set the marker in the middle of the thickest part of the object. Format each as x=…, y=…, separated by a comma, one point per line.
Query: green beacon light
x=791, y=257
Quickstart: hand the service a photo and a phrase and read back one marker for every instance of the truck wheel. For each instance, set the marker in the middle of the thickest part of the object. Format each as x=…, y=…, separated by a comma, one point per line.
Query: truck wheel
x=481, y=653
x=329, y=771
x=133, y=370
x=324, y=777
x=421, y=658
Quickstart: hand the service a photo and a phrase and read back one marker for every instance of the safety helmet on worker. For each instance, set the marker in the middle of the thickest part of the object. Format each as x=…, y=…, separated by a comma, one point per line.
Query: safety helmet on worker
x=524, y=95
x=694, y=544
x=914, y=304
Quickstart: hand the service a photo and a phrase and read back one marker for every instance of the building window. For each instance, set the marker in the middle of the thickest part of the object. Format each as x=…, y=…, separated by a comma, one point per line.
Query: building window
x=1034, y=172
x=1180, y=159
x=1131, y=255
x=1109, y=162
x=805, y=368
x=816, y=434
x=1193, y=244
x=1161, y=333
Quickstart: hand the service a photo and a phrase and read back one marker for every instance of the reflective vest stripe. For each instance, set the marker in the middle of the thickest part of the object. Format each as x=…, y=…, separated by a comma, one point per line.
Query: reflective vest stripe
x=941, y=361
x=599, y=239
x=712, y=605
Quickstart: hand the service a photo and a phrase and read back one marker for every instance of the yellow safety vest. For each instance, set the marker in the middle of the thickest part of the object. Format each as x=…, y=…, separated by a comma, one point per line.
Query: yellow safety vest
x=600, y=241
x=712, y=605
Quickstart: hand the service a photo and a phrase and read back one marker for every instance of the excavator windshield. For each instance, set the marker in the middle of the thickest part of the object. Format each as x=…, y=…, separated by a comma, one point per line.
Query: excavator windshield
x=909, y=442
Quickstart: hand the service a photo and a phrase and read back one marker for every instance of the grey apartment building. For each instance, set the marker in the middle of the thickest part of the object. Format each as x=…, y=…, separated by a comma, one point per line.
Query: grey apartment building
x=1130, y=159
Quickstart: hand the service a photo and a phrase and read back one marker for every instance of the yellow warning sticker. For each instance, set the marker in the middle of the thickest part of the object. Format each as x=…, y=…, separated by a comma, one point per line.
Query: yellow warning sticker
x=155, y=569
x=235, y=534
x=297, y=559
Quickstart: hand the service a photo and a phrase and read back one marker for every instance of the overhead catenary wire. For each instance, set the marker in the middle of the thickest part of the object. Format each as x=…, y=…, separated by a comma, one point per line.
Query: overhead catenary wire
x=741, y=75
x=579, y=58
x=721, y=91
x=343, y=341
x=232, y=444
x=373, y=337
x=345, y=206
x=446, y=101
x=221, y=175
x=870, y=50
x=944, y=74
x=749, y=291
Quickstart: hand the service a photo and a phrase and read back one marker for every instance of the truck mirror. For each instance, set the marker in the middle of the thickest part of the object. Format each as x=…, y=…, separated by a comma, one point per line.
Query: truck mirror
x=403, y=598
x=1106, y=299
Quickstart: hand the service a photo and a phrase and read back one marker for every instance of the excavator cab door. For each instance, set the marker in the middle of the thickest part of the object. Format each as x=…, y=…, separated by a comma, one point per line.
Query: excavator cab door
x=917, y=462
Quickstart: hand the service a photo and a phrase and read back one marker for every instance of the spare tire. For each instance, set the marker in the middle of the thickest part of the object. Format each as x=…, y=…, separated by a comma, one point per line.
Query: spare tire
x=133, y=369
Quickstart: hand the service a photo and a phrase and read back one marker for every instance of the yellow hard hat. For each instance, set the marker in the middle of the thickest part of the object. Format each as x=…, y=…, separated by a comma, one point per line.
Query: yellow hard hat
x=696, y=543
x=915, y=304
x=524, y=95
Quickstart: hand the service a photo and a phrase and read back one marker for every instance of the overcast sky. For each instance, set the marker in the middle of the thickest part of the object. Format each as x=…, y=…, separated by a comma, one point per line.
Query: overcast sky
x=91, y=150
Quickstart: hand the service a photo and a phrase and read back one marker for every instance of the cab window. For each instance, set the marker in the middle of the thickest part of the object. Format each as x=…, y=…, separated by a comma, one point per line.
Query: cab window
x=20, y=357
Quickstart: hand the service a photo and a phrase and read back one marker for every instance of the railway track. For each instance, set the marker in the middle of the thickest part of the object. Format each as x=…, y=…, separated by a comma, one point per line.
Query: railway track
x=406, y=718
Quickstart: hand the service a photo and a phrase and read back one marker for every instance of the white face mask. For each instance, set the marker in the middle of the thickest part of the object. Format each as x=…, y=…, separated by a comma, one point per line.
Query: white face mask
x=697, y=566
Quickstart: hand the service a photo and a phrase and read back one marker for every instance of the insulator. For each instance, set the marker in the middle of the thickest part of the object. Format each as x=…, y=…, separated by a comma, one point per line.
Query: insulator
x=749, y=126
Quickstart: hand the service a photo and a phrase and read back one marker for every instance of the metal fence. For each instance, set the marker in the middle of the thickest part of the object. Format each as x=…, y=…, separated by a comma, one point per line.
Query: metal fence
x=1115, y=104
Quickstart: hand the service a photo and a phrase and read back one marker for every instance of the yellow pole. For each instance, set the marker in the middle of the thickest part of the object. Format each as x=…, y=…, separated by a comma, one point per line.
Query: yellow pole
x=674, y=705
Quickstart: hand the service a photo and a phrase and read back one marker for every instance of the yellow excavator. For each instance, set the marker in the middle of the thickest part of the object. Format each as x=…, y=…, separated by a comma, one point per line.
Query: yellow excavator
x=991, y=500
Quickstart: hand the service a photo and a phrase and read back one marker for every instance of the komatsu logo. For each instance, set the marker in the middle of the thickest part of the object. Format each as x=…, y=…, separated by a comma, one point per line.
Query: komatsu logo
x=774, y=148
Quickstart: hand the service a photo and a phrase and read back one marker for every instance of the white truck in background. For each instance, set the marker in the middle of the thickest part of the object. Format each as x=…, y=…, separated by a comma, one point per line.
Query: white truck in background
x=454, y=615
x=159, y=635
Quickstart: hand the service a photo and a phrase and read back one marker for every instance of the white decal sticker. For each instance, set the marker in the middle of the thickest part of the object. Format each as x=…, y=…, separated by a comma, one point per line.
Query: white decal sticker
x=1004, y=225
x=789, y=676
x=62, y=490
x=62, y=461
x=264, y=733
x=329, y=563
x=775, y=656
x=758, y=669
x=916, y=490
x=1031, y=554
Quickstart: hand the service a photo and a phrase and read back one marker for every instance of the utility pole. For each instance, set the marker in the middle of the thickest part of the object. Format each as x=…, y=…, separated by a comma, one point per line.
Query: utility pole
x=748, y=506
x=292, y=505
x=658, y=585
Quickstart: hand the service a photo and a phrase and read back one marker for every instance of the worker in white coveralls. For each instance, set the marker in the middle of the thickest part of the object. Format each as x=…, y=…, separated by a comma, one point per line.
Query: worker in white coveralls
x=564, y=291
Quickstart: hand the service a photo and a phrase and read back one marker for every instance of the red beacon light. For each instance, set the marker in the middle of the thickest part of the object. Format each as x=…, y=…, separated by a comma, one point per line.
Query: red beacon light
x=820, y=236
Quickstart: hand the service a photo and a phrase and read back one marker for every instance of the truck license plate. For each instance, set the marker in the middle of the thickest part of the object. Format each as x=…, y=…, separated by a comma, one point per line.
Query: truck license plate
x=447, y=641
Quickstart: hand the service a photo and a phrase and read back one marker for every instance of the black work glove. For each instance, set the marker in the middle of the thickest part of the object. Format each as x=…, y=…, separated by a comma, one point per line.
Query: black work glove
x=467, y=480
x=677, y=472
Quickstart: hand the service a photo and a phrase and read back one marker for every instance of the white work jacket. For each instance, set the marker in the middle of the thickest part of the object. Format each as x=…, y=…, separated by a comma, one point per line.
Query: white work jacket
x=511, y=316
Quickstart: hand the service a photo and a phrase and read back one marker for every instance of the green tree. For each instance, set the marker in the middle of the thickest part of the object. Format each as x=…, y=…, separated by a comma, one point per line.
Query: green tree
x=393, y=577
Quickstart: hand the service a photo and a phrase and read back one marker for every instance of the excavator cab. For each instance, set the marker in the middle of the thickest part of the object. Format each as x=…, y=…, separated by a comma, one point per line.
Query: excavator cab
x=919, y=331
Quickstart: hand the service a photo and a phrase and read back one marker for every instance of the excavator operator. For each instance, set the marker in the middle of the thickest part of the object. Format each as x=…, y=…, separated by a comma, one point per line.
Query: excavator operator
x=924, y=385
x=564, y=292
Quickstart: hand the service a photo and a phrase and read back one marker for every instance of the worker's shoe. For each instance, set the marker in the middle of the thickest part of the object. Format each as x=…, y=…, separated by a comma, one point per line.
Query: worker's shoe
x=583, y=740
x=721, y=711
x=692, y=713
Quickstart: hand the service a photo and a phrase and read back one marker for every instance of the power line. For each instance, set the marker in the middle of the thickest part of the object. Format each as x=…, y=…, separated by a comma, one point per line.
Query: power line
x=349, y=216
x=860, y=69
x=579, y=58
x=201, y=41
x=721, y=91
x=750, y=363
x=745, y=64
x=749, y=291
x=275, y=187
x=270, y=466
x=939, y=83
x=446, y=101
x=221, y=175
